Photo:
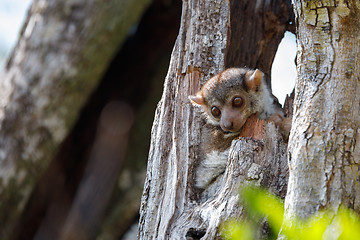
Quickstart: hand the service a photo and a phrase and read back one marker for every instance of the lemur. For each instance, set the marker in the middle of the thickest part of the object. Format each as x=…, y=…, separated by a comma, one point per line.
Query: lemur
x=227, y=100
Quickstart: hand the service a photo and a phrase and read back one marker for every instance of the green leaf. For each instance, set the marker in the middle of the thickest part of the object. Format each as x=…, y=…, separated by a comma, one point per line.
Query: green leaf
x=235, y=230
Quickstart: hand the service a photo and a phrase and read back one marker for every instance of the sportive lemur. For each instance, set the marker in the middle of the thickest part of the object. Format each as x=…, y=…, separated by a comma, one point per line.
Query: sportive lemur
x=227, y=100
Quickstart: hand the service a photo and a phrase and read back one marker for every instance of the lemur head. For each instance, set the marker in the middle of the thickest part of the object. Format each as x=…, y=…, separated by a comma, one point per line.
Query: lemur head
x=230, y=97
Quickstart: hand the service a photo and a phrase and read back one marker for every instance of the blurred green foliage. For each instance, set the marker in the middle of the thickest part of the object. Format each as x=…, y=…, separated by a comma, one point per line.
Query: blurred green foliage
x=260, y=204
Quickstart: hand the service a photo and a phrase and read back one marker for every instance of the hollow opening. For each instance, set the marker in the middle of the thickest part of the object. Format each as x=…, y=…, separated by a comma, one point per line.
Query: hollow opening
x=283, y=71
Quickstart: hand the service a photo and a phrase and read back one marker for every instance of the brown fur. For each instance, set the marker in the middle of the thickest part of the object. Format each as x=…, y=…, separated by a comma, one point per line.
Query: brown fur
x=219, y=131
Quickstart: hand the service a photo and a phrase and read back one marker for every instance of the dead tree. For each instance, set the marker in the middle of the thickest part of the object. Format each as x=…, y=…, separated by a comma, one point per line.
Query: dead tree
x=213, y=35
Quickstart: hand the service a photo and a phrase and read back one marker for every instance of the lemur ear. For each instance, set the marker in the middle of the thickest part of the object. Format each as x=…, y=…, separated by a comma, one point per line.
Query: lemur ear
x=254, y=80
x=197, y=99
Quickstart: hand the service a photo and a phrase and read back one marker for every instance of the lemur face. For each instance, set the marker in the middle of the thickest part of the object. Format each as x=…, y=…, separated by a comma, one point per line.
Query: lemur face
x=229, y=98
x=230, y=115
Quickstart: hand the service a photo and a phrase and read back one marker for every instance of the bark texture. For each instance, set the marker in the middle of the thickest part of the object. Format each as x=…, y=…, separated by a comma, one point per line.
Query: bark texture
x=324, y=146
x=259, y=159
x=63, y=50
x=171, y=207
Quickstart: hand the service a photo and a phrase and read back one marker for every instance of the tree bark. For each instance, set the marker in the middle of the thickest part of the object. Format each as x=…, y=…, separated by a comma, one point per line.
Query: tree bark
x=210, y=40
x=324, y=146
x=63, y=50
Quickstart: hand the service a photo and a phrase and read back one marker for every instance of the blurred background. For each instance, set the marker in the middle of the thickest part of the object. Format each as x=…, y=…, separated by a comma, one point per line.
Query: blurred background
x=116, y=198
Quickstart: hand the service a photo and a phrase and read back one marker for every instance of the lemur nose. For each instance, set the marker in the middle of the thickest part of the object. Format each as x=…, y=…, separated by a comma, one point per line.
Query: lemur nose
x=228, y=125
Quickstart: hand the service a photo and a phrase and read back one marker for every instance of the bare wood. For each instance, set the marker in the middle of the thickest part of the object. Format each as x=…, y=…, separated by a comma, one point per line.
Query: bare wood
x=172, y=208
x=260, y=162
x=324, y=143
x=253, y=128
x=62, y=51
x=175, y=130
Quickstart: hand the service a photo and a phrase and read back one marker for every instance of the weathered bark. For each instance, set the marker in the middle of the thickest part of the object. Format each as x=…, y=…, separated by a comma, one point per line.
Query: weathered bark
x=324, y=146
x=259, y=158
x=63, y=50
x=171, y=207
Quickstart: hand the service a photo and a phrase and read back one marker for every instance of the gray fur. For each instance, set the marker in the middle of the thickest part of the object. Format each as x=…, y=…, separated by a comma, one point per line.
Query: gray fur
x=220, y=90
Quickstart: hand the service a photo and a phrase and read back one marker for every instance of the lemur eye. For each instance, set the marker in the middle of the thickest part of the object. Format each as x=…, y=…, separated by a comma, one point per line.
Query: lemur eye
x=215, y=111
x=237, y=102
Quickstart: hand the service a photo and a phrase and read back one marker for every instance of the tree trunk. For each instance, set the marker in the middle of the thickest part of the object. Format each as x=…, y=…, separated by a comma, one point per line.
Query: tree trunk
x=211, y=38
x=324, y=146
x=63, y=50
